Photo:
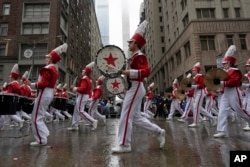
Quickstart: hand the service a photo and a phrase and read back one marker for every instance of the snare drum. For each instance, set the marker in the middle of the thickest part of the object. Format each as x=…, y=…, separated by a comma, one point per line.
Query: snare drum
x=115, y=85
x=8, y=104
x=59, y=103
x=28, y=105
x=110, y=60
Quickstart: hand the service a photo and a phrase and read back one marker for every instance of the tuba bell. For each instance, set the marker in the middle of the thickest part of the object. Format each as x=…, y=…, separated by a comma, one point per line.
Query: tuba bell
x=186, y=83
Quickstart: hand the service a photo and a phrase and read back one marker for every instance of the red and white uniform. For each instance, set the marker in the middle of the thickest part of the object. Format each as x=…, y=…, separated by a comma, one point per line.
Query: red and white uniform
x=175, y=104
x=131, y=113
x=83, y=93
x=94, y=101
x=189, y=103
x=148, y=103
x=198, y=96
x=231, y=99
x=64, y=95
x=48, y=76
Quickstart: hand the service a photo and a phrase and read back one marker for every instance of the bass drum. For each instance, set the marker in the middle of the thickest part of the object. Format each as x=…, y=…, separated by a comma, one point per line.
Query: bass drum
x=8, y=103
x=116, y=85
x=110, y=61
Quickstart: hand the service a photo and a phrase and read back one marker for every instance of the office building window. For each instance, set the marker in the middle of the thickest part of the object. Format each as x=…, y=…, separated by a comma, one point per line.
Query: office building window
x=237, y=12
x=40, y=50
x=243, y=43
x=205, y=13
x=1, y=73
x=36, y=10
x=207, y=42
x=187, y=49
x=2, y=49
x=183, y=4
x=225, y=12
x=163, y=50
x=178, y=57
x=3, y=29
x=6, y=9
x=36, y=28
x=185, y=20
x=229, y=40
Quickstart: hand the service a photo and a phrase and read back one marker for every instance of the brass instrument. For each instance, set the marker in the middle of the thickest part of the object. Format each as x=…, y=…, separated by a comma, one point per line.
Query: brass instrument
x=180, y=94
x=211, y=75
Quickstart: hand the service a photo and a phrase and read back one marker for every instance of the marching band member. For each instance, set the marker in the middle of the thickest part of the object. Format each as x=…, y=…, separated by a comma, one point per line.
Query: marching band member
x=231, y=96
x=199, y=95
x=189, y=105
x=94, y=100
x=26, y=93
x=84, y=92
x=246, y=86
x=148, y=102
x=54, y=106
x=64, y=94
x=2, y=117
x=175, y=104
x=131, y=108
x=14, y=88
x=47, y=79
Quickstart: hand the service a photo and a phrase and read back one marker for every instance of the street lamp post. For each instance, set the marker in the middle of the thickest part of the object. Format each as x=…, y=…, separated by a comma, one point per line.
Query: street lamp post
x=28, y=53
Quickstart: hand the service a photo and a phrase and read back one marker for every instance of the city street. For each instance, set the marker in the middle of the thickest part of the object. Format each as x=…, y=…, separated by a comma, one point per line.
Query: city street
x=185, y=147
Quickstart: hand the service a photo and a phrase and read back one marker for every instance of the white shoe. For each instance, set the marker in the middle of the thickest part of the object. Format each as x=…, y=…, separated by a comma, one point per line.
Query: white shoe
x=181, y=120
x=247, y=128
x=121, y=149
x=205, y=119
x=36, y=144
x=161, y=138
x=56, y=120
x=214, y=122
x=169, y=119
x=220, y=134
x=104, y=120
x=21, y=124
x=94, y=125
x=193, y=125
x=72, y=128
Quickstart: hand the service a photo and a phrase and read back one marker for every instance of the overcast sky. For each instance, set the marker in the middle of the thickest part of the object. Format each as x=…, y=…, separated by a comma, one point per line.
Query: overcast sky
x=115, y=19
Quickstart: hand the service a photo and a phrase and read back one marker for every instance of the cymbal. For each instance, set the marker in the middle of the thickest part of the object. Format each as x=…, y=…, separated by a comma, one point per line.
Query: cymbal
x=185, y=82
x=215, y=73
x=244, y=79
x=180, y=94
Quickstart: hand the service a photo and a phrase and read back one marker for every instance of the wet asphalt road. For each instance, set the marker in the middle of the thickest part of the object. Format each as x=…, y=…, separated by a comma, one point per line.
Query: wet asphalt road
x=185, y=147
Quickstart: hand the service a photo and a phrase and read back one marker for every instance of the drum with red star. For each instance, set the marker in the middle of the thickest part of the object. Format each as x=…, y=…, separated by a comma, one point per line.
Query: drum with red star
x=116, y=85
x=110, y=60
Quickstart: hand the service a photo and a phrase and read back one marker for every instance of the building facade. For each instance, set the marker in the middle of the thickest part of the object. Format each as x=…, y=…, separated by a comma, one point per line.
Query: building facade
x=181, y=33
x=30, y=29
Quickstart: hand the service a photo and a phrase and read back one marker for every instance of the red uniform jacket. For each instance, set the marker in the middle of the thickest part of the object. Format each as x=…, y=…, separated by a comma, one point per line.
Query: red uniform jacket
x=25, y=90
x=234, y=78
x=13, y=87
x=139, y=63
x=97, y=92
x=199, y=80
x=150, y=95
x=64, y=94
x=85, y=86
x=48, y=77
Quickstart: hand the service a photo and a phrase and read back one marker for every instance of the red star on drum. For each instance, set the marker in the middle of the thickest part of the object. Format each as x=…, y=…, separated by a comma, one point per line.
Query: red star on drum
x=111, y=60
x=115, y=84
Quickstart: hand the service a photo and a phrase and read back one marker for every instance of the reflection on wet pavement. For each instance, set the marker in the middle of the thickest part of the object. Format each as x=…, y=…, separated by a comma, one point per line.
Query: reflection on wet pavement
x=187, y=147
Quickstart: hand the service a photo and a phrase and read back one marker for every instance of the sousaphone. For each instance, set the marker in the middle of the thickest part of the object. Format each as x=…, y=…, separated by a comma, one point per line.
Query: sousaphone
x=180, y=94
x=211, y=75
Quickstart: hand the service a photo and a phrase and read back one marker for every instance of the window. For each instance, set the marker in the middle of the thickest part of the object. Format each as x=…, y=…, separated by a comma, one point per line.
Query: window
x=37, y=28
x=229, y=40
x=3, y=29
x=178, y=57
x=225, y=12
x=237, y=12
x=160, y=10
x=160, y=18
x=243, y=43
x=40, y=50
x=6, y=9
x=2, y=49
x=1, y=73
x=185, y=20
x=161, y=28
x=162, y=39
x=207, y=42
x=36, y=10
x=64, y=23
x=205, y=13
x=187, y=49
x=163, y=49
x=183, y=4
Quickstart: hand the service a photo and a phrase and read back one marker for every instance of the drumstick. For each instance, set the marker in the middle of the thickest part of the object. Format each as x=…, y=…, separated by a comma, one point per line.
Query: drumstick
x=113, y=67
